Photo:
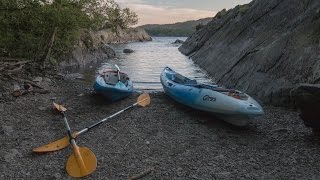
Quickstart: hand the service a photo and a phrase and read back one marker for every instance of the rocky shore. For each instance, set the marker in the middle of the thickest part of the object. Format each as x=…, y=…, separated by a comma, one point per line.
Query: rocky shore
x=167, y=139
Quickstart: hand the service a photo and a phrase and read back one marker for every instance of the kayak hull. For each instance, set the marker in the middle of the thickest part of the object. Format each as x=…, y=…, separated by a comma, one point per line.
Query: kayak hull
x=234, y=111
x=112, y=92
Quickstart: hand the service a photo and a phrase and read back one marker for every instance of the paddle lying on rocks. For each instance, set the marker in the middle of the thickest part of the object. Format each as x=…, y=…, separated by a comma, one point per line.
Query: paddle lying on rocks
x=119, y=83
x=143, y=100
x=82, y=161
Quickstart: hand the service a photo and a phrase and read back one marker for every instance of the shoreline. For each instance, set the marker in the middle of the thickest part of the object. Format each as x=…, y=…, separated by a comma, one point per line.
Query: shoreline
x=174, y=140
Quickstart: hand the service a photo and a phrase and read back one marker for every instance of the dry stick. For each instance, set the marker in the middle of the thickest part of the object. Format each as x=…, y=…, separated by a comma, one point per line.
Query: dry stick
x=50, y=45
x=141, y=175
x=16, y=69
x=27, y=81
x=11, y=59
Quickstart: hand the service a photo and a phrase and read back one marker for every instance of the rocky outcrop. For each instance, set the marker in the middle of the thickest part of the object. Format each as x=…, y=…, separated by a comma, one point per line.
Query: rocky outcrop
x=121, y=36
x=178, y=41
x=307, y=98
x=93, y=47
x=264, y=48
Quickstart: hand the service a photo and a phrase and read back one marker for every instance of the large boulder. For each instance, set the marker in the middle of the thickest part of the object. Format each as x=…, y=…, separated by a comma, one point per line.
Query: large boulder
x=307, y=99
x=264, y=48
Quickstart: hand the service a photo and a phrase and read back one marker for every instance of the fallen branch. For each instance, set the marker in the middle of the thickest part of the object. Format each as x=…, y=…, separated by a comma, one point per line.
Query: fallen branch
x=11, y=59
x=15, y=70
x=142, y=174
x=27, y=81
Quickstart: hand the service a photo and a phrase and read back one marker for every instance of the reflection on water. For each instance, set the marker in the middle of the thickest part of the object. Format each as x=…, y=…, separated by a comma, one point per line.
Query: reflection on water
x=147, y=61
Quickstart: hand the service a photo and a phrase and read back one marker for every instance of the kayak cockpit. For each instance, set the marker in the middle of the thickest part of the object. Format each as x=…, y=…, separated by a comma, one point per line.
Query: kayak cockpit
x=111, y=77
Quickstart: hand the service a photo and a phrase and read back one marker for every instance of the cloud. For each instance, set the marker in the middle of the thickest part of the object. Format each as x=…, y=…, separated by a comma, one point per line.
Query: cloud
x=150, y=14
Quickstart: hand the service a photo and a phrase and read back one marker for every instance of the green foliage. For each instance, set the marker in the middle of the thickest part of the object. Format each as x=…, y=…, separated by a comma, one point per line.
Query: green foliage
x=174, y=32
x=199, y=26
x=27, y=27
x=117, y=17
x=244, y=8
x=221, y=13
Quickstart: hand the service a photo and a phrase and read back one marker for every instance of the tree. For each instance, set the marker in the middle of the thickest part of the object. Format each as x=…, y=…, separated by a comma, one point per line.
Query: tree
x=46, y=29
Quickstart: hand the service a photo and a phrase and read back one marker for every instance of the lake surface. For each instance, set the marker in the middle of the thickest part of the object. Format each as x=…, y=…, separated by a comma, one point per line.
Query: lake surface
x=146, y=63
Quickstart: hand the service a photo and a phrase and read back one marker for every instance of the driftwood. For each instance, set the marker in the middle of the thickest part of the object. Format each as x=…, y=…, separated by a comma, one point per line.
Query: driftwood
x=27, y=88
x=27, y=82
x=142, y=174
x=11, y=67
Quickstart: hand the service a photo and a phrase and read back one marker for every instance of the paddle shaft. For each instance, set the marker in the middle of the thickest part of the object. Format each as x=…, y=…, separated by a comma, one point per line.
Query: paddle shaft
x=74, y=145
x=105, y=119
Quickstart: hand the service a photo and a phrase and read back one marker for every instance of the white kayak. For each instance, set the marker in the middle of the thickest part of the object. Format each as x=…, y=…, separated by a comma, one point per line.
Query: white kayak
x=233, y=106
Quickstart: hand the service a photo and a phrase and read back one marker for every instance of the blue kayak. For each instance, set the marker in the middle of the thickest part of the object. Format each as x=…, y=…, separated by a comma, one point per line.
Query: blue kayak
x=233, y=106
x=113, y=88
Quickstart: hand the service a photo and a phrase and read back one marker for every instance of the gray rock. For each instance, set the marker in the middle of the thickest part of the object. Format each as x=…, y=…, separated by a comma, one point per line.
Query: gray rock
x=73, y=76
x=178, y=41
x=37, y=79
x=108, y=50
x=1, y=107
x=264, y=48
x=307, y=99
x=128, y=51
x=12, y=155
x=8, y=130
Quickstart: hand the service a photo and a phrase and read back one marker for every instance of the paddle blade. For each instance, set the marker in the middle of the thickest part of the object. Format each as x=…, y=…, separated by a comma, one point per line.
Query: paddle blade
x=81, y=162
x=56, y=145
x=144, y=100
x=59, y=107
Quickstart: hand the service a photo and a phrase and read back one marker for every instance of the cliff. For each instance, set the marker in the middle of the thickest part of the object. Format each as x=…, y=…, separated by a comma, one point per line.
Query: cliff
x=265, y=48
x=93, y=46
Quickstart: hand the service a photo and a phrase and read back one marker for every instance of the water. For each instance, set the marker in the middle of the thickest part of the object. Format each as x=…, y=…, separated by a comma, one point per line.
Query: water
x=146, y=63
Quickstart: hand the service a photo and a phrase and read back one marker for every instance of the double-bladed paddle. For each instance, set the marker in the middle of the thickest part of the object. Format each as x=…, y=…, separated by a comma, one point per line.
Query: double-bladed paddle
x=82, y=161
x=143, y=100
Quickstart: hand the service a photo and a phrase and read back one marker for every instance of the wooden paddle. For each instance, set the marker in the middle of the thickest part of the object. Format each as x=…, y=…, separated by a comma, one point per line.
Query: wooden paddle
x=143, y=100
x=82, y=161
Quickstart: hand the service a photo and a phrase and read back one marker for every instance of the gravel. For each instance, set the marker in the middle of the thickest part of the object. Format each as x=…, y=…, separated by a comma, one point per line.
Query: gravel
x=177, y=142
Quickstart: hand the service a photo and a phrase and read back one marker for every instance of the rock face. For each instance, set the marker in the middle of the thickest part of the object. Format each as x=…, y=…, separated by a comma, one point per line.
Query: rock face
x=264, y=48
x=93, y=47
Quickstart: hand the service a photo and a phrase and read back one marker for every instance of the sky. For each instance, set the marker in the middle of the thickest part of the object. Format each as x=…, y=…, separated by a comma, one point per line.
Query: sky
x=171, y=11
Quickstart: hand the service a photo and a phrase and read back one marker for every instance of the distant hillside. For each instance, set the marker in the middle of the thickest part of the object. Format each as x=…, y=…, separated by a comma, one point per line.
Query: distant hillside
x=177, y=29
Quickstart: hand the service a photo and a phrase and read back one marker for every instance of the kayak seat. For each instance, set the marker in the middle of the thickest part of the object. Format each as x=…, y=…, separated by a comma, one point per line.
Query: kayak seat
x=112, y=78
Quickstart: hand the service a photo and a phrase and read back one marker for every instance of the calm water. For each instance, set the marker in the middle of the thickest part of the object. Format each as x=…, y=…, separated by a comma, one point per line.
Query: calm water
x=147, y=61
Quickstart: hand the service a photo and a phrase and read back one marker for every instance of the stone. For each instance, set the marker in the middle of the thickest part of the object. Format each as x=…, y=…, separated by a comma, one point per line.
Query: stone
x=8, y=130
x=307, y=99
x=12, y=155
x=108, y=50
x=178, y=41
x=73, y=76
x=128, y=51
x=1, y=107
x=37, y=79
x=264, y=48
x=42, y=108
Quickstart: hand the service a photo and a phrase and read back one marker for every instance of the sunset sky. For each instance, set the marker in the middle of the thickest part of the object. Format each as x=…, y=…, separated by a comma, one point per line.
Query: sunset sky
x=170, y=11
